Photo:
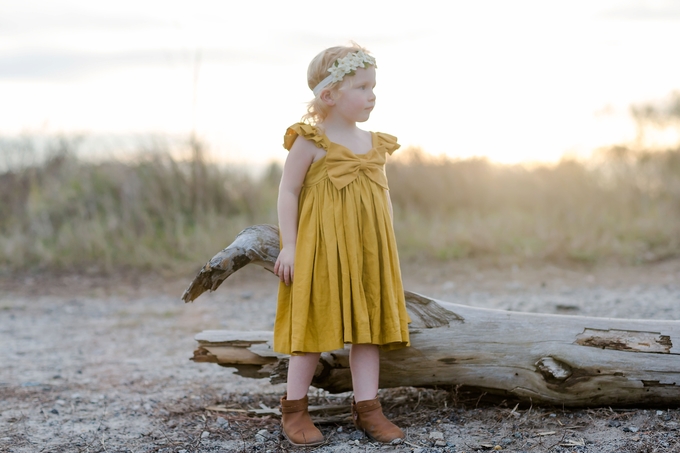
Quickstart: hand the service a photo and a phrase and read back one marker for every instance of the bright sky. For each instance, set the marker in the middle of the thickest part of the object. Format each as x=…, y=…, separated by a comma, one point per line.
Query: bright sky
x=511, y=80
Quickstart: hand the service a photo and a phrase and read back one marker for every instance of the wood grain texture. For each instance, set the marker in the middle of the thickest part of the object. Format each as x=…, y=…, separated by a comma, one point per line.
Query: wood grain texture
x=550, y=359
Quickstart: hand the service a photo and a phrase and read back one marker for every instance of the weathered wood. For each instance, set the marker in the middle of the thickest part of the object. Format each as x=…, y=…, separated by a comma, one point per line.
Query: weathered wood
x=258, y=244
x=556, y=359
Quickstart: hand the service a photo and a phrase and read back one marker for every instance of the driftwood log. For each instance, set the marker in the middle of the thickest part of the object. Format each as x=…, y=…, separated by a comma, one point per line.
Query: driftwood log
x=541, y=358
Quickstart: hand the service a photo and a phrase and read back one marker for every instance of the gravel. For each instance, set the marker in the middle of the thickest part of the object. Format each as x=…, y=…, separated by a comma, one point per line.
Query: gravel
x=100, y=364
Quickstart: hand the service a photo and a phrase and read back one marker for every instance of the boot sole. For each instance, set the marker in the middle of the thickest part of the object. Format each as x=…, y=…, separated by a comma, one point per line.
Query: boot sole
x=373, y=438
x=302, y=445
x=384, y=442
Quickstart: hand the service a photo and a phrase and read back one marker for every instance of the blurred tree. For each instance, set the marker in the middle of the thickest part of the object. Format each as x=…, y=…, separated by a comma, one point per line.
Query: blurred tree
x=655, y=118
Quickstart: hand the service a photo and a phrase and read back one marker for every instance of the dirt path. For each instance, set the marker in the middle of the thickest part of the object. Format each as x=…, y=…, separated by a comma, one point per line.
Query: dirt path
x=101, y=365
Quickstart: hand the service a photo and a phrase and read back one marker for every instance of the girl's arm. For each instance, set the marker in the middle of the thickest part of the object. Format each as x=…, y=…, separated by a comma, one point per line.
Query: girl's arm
x=299, y=159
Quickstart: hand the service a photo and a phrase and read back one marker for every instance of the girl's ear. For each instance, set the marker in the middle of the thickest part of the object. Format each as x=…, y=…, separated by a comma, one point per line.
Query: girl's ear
x=327, y=97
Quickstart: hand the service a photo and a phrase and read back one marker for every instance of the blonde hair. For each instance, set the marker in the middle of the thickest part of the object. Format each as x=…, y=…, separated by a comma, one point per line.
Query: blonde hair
x=317, y=110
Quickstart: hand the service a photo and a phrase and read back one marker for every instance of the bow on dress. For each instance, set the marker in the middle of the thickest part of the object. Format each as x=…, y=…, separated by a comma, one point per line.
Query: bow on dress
x=343, y=167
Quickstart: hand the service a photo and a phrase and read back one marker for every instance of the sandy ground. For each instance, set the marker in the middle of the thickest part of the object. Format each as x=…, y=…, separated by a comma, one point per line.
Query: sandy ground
x=93, y=364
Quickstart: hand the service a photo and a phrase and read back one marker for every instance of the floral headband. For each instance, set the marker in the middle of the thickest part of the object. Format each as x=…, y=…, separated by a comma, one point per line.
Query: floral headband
x=343, y=66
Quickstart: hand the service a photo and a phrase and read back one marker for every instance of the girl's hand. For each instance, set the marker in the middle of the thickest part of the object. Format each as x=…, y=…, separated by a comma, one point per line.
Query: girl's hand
x=284, y=265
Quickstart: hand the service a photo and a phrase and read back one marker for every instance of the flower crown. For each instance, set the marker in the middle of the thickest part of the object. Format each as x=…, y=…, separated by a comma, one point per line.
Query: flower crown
x=343, y=66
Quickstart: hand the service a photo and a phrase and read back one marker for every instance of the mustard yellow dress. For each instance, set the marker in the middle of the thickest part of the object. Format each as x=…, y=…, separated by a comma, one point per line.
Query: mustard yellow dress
x=347, y=286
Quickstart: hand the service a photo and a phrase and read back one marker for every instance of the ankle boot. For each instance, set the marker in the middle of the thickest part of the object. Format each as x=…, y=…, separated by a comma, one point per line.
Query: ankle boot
x=297, y=425
x=368, y=417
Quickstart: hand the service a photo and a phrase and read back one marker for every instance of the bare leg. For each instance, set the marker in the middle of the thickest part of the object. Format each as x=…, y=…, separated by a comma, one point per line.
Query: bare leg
x=364, y=362
x=296, y=423
x=300, y=373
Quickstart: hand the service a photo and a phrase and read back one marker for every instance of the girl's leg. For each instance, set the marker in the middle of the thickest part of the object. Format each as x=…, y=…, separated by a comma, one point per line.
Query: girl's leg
x=300, y=373
x=364, y=362
x=296, y=423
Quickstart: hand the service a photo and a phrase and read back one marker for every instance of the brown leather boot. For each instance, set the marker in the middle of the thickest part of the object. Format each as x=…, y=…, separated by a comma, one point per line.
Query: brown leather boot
x=297, y=425
x=368, y=417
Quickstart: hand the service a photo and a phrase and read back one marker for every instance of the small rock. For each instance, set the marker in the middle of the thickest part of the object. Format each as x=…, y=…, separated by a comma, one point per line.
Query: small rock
x=659, y=413
x=440, y=443
x=505, y=441
x=614, y=423
x=552, y=415
x=54, y=411
x=182, y=451
x=339, y=429
x=60, y=402
x=262, y=435
x=436, y=435
x=397, y=442
x=631, y=429
x=356, y=435
x=517, y=435
x=222, y=422
x=205, y=434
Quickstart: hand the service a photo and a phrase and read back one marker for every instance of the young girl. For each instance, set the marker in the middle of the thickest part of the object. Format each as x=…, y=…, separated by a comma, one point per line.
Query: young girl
x=339, y=269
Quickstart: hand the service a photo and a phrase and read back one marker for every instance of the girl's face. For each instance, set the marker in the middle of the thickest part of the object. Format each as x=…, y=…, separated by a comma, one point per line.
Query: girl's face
x=356, y=98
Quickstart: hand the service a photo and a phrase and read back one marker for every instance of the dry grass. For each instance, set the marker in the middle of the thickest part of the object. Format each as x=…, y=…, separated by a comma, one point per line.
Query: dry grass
x=619, y=205
x=151, y=212
x=159, y=212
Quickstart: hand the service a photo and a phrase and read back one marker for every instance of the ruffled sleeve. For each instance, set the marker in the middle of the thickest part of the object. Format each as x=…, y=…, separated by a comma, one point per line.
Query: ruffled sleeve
x=387, y=143
x=308, y=132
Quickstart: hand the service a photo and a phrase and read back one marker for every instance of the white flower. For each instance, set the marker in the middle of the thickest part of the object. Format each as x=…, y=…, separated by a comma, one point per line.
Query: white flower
x=343, y=66
x=360, y=56
x=346, y=67
x=337, y=72
x=349, y=63
x=356, y=60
